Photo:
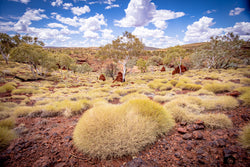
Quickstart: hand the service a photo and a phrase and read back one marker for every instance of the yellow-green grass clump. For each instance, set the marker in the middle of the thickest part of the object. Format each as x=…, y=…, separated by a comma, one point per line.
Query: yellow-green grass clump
x=111, y=131
x=133, y=96
x=8, y=123
x=245, y=95
x=25, y=91
x=8, y=87
x=219, y=102
x=6, y=136
x=244, y=137
x=218, y=87
x=188, y=109
x=188, y=86
x=160, y=84
x=66, y=107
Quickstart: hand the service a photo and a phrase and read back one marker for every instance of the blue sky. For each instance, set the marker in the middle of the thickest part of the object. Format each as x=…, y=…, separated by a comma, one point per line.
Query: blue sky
x=159, y=23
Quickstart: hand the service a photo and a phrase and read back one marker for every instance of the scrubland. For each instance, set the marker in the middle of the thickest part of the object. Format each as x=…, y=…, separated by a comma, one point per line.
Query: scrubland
x=125, y=117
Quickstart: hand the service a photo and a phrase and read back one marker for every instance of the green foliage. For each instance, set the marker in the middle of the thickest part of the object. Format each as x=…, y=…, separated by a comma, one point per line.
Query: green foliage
x=244, y=137
x=220, y=52
x=155, y=61
x=142, y=64
x=174, y=54
x=108, y=131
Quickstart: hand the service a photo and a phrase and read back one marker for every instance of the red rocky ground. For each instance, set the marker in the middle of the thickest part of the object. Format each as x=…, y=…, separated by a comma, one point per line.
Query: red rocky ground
x=46, y=142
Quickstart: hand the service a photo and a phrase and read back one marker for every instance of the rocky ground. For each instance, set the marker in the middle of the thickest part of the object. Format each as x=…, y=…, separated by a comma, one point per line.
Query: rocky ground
x=48, y=142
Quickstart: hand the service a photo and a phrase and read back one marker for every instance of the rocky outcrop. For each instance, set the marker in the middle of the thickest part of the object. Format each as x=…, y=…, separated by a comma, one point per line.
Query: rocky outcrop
x=118, y=77
x=102, y=77
x=177, y=69
x=163, y=69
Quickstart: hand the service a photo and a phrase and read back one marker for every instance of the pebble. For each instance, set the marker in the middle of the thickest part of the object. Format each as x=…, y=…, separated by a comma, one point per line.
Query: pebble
x=182, y=130
x=197, y=135
x=187, y=136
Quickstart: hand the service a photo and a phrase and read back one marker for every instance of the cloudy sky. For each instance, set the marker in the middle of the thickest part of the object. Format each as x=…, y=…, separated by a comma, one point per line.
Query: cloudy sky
x=159, y=23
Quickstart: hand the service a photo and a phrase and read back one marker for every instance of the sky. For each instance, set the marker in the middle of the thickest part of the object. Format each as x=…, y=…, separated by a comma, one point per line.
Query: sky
x=91, y=23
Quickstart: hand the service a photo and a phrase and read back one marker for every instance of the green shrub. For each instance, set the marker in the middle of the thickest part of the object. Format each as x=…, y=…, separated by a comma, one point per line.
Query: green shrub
x=244, y=136
x=6, y=136
x=107, y=131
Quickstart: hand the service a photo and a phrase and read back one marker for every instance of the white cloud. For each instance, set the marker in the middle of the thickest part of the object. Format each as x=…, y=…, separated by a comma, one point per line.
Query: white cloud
x=6, y=26
x=236, y=11
x=139, y=13
x=57, y=3
x=30, y=15
x=200, y=31
x=72, y=22
x=90, y=34
x=142, y=12
x=92, y=23
x=155, y=37
x=112, y=6
x=80, y=10
x=56, y=25
x=107, y=34
x=67, y=5
x=210, y=11
x=240, y=28
x=22, y=1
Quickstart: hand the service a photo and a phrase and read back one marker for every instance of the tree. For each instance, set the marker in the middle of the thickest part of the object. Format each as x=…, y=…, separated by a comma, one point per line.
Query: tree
x=111, y=70
x=220, y=52
x=30, y=54
x=122, y=50
x=6, y=43
x=174, y=56
x=142, y=64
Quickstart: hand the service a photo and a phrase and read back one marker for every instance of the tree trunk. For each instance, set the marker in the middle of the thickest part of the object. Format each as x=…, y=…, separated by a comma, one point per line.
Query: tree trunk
x=124, y=72
x=180, y=66
x=5, y=57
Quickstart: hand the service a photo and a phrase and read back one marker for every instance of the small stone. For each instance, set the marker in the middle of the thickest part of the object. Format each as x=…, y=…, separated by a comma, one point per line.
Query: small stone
x=190, y=128
x=177, y=155
x=187, y=136
x=199, y=127
x=245, y=117
x=189, y=148
x=197, y=135
x=182, y=130
x=199, y=122
x=183, y=123
x=200, y=151
x=220, y=143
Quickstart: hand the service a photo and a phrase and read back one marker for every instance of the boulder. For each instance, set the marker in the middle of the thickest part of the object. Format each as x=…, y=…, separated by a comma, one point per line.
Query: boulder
x=177, y=69
x=102, y=77
x=118, y=77
x=163, y=69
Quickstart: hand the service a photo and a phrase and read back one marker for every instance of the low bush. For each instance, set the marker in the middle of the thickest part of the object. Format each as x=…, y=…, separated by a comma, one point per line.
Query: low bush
x=6, y=136
x=244, y=137
x=245, y=92
x=160, y=84
x=8, y=123
x=219, y=102
x=108, y=131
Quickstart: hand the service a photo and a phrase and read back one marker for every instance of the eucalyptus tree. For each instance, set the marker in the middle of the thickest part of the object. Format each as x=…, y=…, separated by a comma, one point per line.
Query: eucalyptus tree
x=122, y=50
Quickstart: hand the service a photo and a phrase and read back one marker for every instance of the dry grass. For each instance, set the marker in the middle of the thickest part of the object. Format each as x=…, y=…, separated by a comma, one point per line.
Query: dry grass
x=6, y=136
x=8, y=87
x=108, y=131
x=188, y=109
x=8, y=123
x=219, y=102
x=217, y=87
x=244, y=137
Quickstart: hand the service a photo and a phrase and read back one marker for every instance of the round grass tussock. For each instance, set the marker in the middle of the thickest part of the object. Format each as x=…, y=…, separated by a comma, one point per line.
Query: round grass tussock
x=217, y=87
x=8, y=87
x=111, y=131
x=244, y=137
x=6, y=136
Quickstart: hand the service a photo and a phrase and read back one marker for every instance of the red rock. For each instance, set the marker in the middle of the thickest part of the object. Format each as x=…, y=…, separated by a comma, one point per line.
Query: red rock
x=177, y=69
x=182, y=130
x=163, y=69
x=102, y=77
x=197, y=135
x=187, y=136
x=118, y=77
x=199, y=122
x=234, y=93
